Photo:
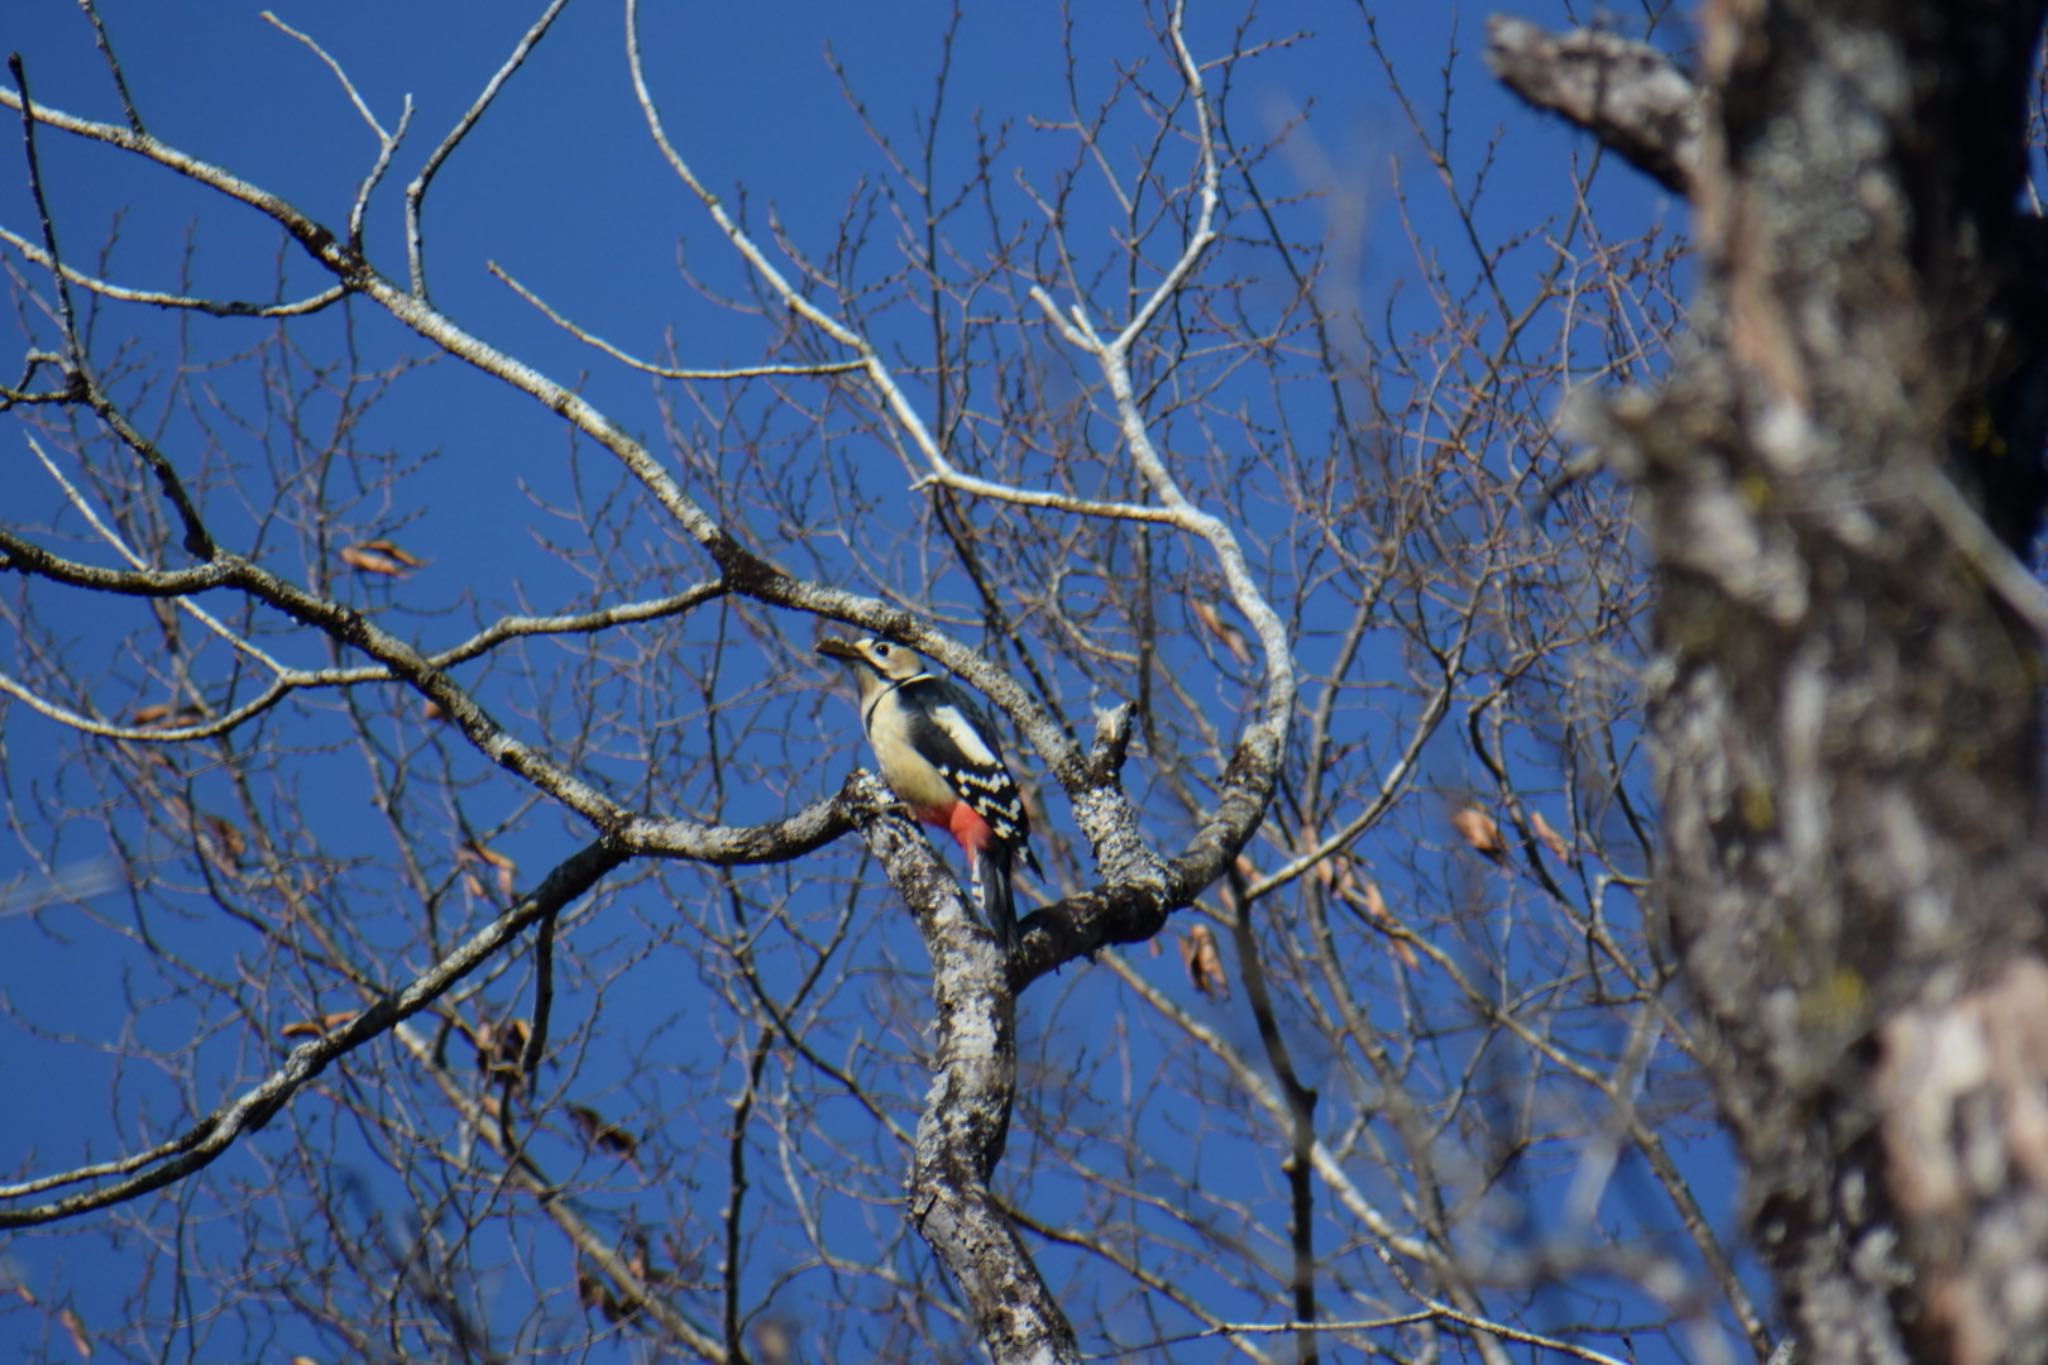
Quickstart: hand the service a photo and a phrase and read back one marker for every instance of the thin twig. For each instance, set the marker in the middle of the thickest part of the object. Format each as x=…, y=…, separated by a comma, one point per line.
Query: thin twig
x=201, y=1144
x=665, y=371
x=348, y=86
x=543, y=996
x=416, y=192
x=360, y=207
x=74, y=351
x=220, y=308
x=106, y=47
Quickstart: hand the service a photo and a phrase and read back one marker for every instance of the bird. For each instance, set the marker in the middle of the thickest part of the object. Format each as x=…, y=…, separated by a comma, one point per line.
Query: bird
x=938, y=753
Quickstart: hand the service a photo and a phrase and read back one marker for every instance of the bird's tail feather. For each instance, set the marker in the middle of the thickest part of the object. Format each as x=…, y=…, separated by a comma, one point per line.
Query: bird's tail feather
x=999, y=902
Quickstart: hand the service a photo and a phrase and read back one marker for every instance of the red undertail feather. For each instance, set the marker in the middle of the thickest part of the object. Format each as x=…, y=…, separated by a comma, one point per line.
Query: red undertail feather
x=967, y=828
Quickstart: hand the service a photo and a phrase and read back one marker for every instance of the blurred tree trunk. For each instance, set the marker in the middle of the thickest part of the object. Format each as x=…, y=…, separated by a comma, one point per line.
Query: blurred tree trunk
x=1836, y=485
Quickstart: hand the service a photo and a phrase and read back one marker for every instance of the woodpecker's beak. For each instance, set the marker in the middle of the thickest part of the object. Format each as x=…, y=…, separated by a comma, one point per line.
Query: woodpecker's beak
x=833, y=648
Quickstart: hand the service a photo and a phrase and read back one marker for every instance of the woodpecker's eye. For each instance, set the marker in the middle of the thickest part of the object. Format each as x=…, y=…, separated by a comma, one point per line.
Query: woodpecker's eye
x=882, y=648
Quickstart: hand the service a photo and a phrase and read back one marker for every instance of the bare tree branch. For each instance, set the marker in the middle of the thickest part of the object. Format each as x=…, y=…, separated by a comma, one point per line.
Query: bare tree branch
x=1629, y=95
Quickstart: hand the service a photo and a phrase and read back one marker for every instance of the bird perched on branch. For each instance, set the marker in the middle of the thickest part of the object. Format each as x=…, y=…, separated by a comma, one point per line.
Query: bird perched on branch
x=938, y=752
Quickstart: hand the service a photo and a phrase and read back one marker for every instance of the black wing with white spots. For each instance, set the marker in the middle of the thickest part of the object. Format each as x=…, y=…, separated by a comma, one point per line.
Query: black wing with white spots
x=954, y=736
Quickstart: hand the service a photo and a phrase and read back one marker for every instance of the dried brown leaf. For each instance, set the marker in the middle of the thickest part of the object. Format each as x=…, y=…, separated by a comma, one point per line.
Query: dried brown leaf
x=512, y=1039
x=317, y=1028
x=1369, y=898
x=501, y=1049
x=637, y=1259
x=506, y=869
x=606, y=1136
x=773, y=1344
x=592, y=1292
x=1376, y=902
x=164, y=716
x=1550, y=838
x=76, y=1331
x=391, y=548
x=365, y=560
x=1479, y=830
x=228, y=841
x=489, y=854
x=1204, y=962
x=1231, y=637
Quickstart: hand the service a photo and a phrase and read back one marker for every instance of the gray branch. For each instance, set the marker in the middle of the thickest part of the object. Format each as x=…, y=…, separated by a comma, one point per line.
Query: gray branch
x=201, y=1144
x=967, y=1110
x=1627, y=94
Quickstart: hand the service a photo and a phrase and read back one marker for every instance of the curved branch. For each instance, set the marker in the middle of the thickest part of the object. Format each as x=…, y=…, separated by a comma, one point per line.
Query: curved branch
x=199, y=1145
x=416, y=192
x=591, y=339
x=1630, y=96
x=220, y=308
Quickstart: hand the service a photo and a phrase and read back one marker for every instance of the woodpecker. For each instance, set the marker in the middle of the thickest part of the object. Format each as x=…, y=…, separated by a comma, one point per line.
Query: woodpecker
x=938, y=753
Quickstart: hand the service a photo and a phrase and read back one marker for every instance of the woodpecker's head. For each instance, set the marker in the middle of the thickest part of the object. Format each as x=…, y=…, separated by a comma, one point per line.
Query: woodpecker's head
x=875, y=663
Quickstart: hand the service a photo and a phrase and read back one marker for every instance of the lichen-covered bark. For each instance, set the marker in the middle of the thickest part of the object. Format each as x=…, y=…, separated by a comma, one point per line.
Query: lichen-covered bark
x=967, y=1109
x=1849, y=714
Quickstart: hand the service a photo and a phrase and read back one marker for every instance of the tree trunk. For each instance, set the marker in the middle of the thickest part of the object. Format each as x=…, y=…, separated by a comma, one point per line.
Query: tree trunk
x=1848, y=694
